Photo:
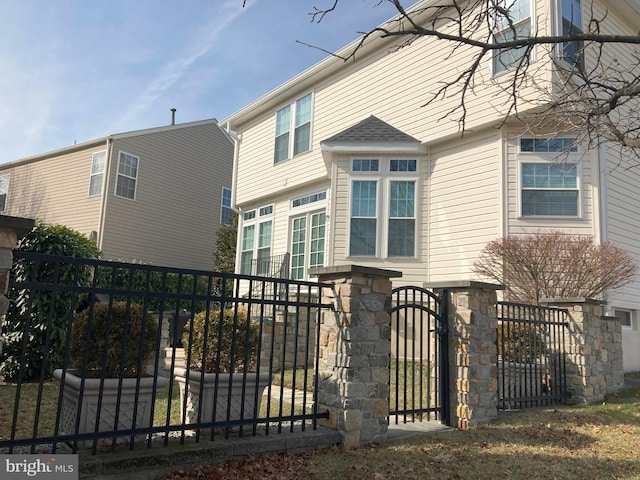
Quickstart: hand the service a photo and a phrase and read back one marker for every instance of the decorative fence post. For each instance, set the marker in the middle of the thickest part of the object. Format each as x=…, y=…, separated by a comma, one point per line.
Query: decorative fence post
x=355, y=343
x=472, y=350
x=11, y=230
x=594, y=346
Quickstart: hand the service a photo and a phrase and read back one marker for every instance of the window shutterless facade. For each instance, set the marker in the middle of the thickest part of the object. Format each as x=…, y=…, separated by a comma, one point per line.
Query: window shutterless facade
x=515, y=26
x=571, y=24
x=96, y=179
x=257, y=232
x=549, y=186
x=127, y=177
x=293, y=129
x=4, y=190
x=307, y=233
x=225, y=207
x=383, y=208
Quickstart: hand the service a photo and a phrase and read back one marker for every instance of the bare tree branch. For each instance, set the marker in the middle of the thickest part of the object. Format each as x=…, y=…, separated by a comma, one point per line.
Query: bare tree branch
x=599, y=100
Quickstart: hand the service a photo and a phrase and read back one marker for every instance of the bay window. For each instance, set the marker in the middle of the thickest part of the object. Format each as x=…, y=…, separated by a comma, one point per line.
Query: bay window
x=383, y=209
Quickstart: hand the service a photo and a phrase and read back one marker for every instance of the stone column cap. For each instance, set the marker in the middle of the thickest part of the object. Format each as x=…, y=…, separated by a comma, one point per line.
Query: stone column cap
x=21, y=226
x=349, y=269
x=556, y=301
x=462, y=284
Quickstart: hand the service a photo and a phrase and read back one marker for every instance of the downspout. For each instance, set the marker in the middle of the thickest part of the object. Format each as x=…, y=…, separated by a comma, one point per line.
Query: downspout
x=234, y=183
x=103, y=200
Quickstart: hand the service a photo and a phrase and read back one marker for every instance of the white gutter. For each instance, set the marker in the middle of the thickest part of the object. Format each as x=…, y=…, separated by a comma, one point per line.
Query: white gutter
x=103, y=200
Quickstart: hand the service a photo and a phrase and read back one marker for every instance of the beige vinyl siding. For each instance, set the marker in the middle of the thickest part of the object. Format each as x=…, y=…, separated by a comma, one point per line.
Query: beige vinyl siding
x=176, y=212
x=392, y=85
x=55, y=190
x=464, y=213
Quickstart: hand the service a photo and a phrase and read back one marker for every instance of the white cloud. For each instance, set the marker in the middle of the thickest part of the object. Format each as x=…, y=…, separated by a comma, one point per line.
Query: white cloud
x=207, y=37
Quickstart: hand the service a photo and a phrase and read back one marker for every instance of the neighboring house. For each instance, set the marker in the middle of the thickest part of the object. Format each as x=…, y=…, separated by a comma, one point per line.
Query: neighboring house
x=155, y=196
x=343, y=164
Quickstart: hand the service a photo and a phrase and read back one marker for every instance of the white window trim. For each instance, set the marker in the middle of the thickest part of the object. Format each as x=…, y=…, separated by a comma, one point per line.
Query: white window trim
x=6, y=194
x=256, y=221
x=309, y=209
x=533, y=32
x=93, y=174
x=115, y=186
x=557, y=25
x=631, y=318
x=551, y=157
x=222, y=205
x=292, y=127
x=384, y=177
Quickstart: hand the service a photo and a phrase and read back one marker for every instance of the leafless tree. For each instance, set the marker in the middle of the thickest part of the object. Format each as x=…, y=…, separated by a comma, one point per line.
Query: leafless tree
x=555, y=265
x=595, y=92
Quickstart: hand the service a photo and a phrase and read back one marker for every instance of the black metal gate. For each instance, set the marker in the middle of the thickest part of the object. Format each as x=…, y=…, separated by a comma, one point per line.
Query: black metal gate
x=419, y=357
x=532, y=342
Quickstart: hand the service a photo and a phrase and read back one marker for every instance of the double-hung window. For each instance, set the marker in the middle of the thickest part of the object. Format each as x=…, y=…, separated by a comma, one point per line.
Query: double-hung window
x=257, y=232
x=4, y=191
x=308, y=233
x=515, y=25
x=98, y=162
x=225, y=207
x=549, y=186
x=571, y=14
x=127, y=177
x=383, y=208
x=293, y=129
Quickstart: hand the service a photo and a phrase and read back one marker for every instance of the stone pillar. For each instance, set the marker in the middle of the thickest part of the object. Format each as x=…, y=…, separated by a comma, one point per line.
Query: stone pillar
x=355, y=343
x=11, y=230
x=594, y=350
x=473, y=371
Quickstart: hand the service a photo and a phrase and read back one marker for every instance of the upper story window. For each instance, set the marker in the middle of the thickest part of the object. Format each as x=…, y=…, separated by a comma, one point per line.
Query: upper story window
x=571, y=14
x=225, y=206
x=383, y=209
x=293, y=129
x=127, y=178
x=98, y=162
x=515, y=25
x=549, y=187
x=4, y=190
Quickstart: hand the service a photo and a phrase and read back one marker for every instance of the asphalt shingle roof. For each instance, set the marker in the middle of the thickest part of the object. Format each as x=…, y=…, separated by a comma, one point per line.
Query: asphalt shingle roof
x=371, y=129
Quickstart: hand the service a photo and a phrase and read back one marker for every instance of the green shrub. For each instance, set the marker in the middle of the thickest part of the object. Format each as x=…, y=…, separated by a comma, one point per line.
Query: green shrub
x=520, y=342
x=43, y=312
x=131, y=328
x=235, y=336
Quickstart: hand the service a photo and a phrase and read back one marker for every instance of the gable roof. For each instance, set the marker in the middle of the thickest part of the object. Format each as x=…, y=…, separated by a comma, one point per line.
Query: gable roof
x=371, y=130
x=372, y=134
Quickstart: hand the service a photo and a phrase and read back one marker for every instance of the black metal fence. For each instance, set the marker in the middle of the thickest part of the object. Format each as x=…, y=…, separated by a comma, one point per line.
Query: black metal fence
x=532, y=350
x=99, y=354
x=419, y=367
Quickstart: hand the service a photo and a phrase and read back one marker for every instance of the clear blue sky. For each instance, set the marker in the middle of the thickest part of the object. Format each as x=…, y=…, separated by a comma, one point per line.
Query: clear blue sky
x=74, y=70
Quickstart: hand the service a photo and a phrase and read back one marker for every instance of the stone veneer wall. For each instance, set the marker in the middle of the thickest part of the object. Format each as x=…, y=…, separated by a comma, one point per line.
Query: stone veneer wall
x=594, y=346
